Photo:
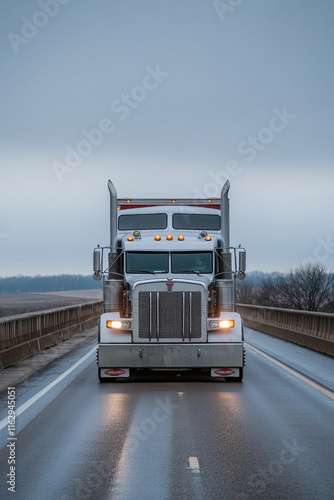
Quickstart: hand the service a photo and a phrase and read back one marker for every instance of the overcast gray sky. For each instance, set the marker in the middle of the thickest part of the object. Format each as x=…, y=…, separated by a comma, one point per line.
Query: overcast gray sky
x=165, y=98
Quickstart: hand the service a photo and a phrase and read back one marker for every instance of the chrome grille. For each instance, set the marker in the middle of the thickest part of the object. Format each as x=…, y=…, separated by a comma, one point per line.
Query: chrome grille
x=169, y=315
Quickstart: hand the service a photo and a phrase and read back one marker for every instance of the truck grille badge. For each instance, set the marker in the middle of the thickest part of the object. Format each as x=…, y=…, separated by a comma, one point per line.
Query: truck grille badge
x=169, y=285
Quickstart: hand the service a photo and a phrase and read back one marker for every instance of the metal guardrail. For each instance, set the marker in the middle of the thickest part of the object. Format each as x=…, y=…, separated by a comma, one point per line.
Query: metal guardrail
x=310, y=329
x=25, y=334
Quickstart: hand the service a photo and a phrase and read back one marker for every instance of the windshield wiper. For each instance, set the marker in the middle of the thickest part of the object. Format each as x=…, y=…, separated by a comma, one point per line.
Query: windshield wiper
x=184, y=271
x=141, y=272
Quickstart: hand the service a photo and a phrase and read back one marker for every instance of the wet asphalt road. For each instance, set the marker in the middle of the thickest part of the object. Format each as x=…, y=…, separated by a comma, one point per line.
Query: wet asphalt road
x=270, y=437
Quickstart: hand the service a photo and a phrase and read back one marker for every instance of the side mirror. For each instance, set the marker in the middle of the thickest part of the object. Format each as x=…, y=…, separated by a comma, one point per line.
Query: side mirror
x=97, y=265
x=242, y=261
x=242, y=265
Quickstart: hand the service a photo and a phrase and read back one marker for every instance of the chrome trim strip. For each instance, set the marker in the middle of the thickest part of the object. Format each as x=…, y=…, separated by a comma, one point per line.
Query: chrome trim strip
x=158, y=311
x=190, y=311
x=183, y=313
x=150, y=313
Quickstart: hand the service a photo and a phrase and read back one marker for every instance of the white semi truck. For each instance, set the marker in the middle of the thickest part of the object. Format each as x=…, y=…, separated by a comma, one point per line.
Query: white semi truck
x=168, y=288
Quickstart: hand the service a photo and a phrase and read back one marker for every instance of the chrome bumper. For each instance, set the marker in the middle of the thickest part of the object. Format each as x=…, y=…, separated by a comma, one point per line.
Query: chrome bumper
x=171, y=355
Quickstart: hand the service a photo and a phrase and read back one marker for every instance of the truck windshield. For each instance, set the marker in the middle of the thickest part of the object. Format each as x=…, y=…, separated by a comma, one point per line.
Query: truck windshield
x=192, y=262
x=147, y=262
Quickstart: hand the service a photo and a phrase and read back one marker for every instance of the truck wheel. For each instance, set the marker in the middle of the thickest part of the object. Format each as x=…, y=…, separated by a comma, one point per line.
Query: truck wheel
x=104, y=379
x=241, y=375
x=101, y=379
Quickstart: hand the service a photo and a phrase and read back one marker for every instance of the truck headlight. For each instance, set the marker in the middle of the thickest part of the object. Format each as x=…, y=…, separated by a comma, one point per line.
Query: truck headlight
x=114, y=324
x=222, y=324
x=117, y=324
x=226, y=323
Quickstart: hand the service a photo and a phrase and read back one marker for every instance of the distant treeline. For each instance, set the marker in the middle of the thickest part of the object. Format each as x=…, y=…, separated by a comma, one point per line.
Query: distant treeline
x=59, y=283
x=308, y=287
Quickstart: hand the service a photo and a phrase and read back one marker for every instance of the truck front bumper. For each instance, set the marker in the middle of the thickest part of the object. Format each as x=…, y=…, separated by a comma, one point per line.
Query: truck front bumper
x=207, y=355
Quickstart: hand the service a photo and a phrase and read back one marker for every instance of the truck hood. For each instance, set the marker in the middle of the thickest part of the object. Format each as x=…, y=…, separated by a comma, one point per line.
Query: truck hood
x=204, y=280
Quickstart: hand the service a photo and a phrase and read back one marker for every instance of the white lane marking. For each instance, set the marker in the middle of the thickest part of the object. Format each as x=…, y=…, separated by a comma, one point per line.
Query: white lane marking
x=33, y=399
x=194, y=464
x=293, y=372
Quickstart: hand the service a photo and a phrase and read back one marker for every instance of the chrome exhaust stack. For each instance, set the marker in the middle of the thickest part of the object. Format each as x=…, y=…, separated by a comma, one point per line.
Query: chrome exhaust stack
x=113, y=285
x=225, y=215
x=113, y=217
x=225, y=261
x=224, y=282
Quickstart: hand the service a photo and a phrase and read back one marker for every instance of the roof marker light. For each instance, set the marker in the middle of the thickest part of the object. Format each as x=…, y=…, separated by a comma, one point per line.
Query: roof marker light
x=181, y=238
x=169, y=237
x=130, y=238
x=208, y=238
x=157, y=238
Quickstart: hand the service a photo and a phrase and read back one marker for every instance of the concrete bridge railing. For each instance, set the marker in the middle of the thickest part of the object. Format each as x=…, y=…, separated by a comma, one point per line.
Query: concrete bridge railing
x=25, y=334
x=310, y=329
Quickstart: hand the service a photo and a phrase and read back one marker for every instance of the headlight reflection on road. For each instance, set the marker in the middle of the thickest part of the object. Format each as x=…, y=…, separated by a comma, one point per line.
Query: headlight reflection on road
x=115, y=408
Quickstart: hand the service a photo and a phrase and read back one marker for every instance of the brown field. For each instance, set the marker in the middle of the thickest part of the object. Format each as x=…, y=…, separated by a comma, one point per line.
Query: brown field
x=18, y=303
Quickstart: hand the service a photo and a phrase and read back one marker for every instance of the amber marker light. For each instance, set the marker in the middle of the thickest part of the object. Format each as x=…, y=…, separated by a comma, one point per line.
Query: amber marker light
x=209, y=201
x=130, y=238
x=157, y=238
x=208, y=238
x=181, y=238
x=128, y=201
x=226, y=323
x=173, y=201
x=169, y=237
x=114, y=324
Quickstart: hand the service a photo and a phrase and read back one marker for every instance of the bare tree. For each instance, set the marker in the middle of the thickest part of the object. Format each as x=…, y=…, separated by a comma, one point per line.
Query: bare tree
x=308, y=288
x=268, y=293
x=246, y=292
x=249, y=290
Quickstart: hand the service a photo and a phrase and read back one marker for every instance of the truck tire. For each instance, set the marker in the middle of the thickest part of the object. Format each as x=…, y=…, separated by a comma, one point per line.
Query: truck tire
x=104, y=380
x=241, y=374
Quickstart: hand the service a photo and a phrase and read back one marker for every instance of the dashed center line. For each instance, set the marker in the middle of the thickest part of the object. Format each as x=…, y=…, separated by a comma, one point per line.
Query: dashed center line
x=194, y=464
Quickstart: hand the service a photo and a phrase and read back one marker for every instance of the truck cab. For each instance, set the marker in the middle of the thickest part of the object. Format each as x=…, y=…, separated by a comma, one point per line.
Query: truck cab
x=168, y=288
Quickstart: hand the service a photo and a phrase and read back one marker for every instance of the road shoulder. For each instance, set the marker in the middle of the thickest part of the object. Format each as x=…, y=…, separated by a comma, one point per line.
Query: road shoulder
x=21, y=370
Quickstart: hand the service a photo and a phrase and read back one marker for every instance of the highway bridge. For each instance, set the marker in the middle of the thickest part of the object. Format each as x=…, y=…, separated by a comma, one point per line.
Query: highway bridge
x=171, y=436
